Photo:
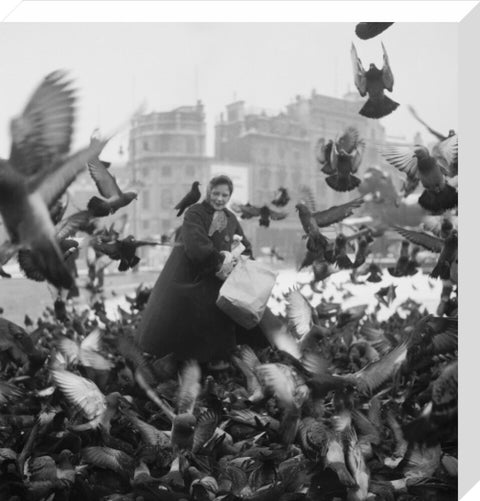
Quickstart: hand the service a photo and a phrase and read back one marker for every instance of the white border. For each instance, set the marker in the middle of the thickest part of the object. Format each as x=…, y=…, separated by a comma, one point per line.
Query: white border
x=233, y=11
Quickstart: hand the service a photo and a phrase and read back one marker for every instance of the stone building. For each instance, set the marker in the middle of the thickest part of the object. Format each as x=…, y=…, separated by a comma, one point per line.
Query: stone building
x=281, y=151
x=166, y=155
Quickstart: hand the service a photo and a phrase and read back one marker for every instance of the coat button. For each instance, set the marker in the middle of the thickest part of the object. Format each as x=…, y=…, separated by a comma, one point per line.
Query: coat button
x=227, y=238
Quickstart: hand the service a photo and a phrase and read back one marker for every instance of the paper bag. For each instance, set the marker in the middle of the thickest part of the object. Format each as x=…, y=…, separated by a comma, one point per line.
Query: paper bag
x=246, y=291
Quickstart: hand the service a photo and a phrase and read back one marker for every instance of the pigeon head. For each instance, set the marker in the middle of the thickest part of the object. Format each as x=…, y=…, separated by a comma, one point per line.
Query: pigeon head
x=195, y=184
x=301, y=207
x=421, y=152
x=131, y=195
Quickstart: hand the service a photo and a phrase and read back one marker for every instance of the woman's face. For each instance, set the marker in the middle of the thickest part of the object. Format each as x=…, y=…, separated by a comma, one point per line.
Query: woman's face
x=219, y=196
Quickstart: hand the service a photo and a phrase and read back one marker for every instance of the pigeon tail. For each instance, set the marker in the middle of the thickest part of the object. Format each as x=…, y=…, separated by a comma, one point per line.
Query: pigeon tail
x=181, y=211
x=441, y=270
x=394, y=273
x=378, y=108
x=344, y=262
x=343, y=474
x=98, y=207
x=374, y=278
x=338, y=183
x=49, y=261
x=439, y=202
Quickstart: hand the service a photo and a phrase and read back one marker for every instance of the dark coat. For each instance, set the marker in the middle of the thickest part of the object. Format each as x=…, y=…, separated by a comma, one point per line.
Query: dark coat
x=181, y=316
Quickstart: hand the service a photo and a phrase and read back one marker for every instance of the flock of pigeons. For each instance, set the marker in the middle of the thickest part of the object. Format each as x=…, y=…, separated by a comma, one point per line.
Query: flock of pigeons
x=340, y=406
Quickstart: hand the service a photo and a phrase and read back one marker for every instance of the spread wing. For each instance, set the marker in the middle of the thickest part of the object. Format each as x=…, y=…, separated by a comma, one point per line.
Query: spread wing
x=76, y=222
x=359, y=75
x=81, y=392
x=306, y=196
x=377, y=373
x=337, y=213
x=447, y=152
x=53, y=186
x=189, y=387
x=106, y=184
x=401, y=157
x=299, y=313
x=429, y=242
x=44, y=130
x=387, y=75
x=277, y=216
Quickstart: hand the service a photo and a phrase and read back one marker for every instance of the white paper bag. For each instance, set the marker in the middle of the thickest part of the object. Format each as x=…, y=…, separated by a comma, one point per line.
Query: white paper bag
x=246, y=291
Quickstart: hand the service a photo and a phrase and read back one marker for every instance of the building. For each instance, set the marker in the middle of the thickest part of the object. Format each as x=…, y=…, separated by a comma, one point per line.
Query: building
x=280, y=147
x=166, y=155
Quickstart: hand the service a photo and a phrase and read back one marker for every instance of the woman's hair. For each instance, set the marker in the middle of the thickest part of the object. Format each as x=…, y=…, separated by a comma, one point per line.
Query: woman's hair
x=221, y=179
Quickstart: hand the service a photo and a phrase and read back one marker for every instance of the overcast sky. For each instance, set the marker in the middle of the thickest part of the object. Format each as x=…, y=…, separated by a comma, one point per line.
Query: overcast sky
x=116, y=66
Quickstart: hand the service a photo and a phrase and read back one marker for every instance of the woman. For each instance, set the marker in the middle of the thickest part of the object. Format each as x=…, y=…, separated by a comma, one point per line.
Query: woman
x=181, y=316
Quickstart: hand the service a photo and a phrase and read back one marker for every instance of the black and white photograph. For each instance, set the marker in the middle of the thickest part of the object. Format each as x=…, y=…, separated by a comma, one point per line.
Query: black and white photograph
x=229, y=261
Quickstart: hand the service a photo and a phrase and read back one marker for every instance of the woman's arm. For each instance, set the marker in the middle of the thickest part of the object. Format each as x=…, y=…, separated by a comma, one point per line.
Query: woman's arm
x=198, y=246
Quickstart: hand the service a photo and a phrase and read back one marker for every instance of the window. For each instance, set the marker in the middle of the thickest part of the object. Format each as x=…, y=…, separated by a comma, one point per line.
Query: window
x=164, y=143
x=146, y=171
x=190, y=140
x=264, y=178
x=145, y=145
x=146, y=200
x=190, y=171
x=296, y=155
x=166, y=225
x=166, y=171
x=166, y=200
x=282, y=177
x=146, y=224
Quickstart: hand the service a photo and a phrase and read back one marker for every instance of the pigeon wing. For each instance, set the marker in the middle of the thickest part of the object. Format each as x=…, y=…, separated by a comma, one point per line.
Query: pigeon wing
x=425, y=240
x=106, y=183
x=387, y=75
x=359, y=76
x=52, y=187
x=277, y=216
x=44, y=130
x=401, y=157
x=76, y=222
x=299, y=313
x=189, y=387
x=81, y=392
x=337, y=213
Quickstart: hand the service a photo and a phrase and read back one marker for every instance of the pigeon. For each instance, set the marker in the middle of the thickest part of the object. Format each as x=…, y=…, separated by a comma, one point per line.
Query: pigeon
x=264, y=213
x=440, y=412
x=38, y=172
x=447, y=248
x=122, y=250
x=430, y=169
x=323, y=152
x=107, y=186
x=365, y=31
x=64, y=230
x=87, y=397
x=373, y=82
x=346, y=157
x=401, y=268
x=281, y=198
x=192, y=197
x=316, y=242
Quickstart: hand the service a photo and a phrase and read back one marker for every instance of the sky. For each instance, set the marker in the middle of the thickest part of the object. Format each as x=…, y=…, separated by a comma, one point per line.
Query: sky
x=116, y=67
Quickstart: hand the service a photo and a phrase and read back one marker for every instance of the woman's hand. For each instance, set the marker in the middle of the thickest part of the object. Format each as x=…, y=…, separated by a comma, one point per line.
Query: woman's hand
x=228, y=264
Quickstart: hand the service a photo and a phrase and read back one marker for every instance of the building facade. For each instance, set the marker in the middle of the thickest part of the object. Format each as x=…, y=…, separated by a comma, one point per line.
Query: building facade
x=166, y=155
x=281, y=151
